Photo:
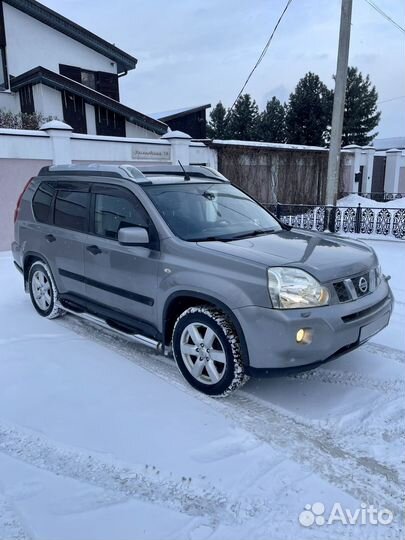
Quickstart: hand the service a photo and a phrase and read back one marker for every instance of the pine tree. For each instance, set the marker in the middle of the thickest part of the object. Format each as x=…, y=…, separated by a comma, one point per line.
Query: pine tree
x=309, y=112
x=272, y=122
x=243, y=120
x=216, y=127
x=361, y=115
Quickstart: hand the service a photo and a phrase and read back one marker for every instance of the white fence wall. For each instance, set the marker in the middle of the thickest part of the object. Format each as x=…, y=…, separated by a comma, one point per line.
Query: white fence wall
x=23, y=153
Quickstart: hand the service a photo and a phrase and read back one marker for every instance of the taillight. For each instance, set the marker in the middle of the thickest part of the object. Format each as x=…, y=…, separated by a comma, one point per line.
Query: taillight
x=17, y=208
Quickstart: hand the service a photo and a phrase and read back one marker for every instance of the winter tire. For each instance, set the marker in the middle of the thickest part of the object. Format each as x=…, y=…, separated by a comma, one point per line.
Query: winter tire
x=43, y=291
x=207, y=351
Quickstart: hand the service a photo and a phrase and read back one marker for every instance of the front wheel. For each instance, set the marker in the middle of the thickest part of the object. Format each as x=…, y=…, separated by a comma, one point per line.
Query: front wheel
x=43, y=291
x=207, y=351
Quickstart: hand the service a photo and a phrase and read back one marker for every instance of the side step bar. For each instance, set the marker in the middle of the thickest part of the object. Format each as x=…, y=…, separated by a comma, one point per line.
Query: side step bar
x=137, y=338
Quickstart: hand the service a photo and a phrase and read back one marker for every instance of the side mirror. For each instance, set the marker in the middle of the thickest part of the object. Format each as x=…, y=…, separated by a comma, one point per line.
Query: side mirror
x=133, y=236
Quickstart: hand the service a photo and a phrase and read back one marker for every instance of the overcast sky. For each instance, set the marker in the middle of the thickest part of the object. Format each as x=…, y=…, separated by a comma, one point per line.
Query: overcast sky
x=193, y=52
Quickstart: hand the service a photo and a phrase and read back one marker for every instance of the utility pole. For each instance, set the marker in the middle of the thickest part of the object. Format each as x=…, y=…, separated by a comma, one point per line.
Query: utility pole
x=339, y=103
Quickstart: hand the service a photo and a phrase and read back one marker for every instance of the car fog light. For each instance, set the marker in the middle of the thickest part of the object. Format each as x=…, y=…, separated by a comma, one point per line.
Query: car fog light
x=304, y=336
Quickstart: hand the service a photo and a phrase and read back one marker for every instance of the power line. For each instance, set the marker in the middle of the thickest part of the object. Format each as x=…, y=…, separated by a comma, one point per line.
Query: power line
x=262, y=55
x=392, y=99
x=385, y=15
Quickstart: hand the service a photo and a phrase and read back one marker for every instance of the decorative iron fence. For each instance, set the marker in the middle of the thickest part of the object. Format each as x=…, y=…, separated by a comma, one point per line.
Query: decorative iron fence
x=381, y=222
x=379, y=196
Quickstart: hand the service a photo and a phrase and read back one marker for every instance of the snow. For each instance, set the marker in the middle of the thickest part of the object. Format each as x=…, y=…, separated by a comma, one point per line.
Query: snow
x=354, y=200
x=103, y=439
x=162, y=115
x=280, y=146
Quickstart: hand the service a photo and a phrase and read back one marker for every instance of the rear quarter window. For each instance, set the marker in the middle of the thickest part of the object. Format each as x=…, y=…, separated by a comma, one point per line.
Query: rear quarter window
x=42, y=202
x=71, y=210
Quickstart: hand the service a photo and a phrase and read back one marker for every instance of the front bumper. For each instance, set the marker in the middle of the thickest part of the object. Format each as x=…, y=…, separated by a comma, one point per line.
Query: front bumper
x=336, y=329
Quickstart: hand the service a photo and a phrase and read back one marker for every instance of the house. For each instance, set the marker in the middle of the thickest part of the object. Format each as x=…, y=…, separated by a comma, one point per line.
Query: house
x=53, y=66
x=190, y=120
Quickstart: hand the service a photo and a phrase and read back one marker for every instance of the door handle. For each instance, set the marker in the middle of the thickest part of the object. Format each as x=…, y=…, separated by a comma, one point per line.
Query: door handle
x=95, y=250
x=50, y=238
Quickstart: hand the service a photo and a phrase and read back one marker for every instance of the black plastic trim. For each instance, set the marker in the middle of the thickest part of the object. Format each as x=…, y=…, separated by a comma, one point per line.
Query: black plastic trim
x=215, y=302
x=115, y=318
x=109, y=288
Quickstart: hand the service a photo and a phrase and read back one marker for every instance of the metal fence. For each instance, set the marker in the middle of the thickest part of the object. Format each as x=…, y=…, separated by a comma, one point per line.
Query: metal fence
x=379, y=222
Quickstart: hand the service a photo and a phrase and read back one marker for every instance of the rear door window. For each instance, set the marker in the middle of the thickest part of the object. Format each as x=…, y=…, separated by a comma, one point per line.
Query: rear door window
x=42, y=202
x=71, y=210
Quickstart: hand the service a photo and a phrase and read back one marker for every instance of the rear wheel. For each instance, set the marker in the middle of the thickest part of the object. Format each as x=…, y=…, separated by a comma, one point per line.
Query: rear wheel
x=43, y=291
x=207, y=351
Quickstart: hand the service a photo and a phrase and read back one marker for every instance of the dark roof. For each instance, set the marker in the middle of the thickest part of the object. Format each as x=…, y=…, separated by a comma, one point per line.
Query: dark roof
x=47, y=16
x=178, y=113
x=60, y=82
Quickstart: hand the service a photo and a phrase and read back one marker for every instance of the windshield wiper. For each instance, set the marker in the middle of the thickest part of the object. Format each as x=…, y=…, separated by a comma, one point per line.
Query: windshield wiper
x=257, y=232
x=210, y=239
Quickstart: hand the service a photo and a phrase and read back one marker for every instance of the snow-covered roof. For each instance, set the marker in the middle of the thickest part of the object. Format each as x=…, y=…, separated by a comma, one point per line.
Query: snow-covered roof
x=279, y=146
x=167, y=115
x=388, y=143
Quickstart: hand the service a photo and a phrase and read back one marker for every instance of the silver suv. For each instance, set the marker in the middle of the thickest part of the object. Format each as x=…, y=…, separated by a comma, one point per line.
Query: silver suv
x=181, y=260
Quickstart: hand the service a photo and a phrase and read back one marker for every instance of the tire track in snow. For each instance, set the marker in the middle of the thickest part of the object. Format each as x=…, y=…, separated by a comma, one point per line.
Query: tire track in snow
x=351, y=378
x=386, y=352
x=144, y=482
x=363, y=477
x=11, y=527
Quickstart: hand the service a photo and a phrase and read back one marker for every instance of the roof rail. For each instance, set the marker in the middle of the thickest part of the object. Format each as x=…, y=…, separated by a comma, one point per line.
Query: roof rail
x=95, y=169
x=194, y=170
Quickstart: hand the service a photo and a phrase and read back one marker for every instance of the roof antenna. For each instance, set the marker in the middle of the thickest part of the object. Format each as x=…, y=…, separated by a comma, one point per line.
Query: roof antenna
x=186, y=175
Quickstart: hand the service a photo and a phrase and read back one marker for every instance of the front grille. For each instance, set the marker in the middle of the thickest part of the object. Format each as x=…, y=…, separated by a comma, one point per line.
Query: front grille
x=356, y=287
x=362, y=284
x=342, y=292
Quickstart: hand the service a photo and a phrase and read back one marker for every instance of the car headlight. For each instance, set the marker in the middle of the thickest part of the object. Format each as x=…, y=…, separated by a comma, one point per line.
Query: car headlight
x=293, y=288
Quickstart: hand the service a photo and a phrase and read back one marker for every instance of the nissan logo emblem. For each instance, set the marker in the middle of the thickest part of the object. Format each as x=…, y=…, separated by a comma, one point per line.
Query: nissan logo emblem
x=363, y=285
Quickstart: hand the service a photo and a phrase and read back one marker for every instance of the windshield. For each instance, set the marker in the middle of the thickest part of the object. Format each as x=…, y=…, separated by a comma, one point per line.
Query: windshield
x=198, y=212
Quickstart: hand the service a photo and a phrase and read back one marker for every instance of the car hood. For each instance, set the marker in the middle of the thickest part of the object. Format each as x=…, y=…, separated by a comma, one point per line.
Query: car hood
x=326, y=256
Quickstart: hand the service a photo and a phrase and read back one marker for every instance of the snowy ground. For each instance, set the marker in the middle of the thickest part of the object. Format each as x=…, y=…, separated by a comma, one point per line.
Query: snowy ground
x=101, y=439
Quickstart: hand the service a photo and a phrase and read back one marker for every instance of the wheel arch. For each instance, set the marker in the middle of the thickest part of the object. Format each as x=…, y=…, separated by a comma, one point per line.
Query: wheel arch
x=179, y=301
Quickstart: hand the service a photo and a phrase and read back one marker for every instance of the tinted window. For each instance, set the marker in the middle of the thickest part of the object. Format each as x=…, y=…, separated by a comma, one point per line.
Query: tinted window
x=112, y=212
x=42, y=202
x=71, y=209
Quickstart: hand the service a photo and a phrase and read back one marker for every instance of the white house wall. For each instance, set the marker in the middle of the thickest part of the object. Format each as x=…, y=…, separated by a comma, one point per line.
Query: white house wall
x=47, y=101
x=31, y=43
x=10, y=102
x=91, y=119
x=132, y=130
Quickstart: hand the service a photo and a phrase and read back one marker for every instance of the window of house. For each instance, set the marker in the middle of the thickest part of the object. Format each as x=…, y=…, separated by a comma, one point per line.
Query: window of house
x=71, y=209
x=88, y=78
x=111, y=213
x=27, y=99
x=42, y=202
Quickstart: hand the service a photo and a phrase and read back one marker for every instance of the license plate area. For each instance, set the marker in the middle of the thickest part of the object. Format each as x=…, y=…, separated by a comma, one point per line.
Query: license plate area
x=371, y=329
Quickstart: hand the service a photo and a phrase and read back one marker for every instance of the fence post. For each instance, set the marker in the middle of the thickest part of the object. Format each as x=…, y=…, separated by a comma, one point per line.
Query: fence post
x=59, y=134
x=357, y=223
x=332, y=219
x=180, y=146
